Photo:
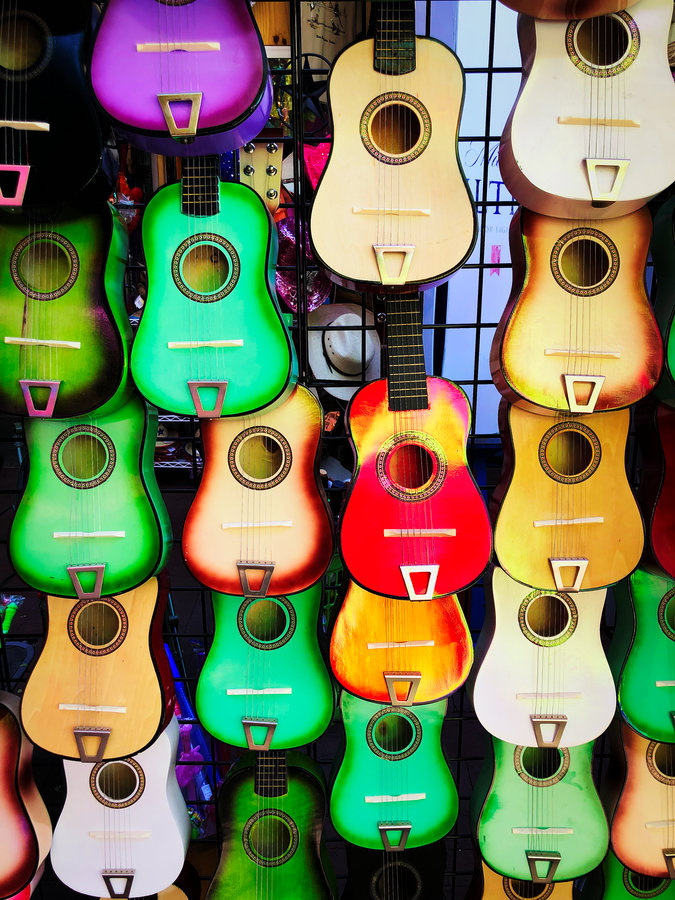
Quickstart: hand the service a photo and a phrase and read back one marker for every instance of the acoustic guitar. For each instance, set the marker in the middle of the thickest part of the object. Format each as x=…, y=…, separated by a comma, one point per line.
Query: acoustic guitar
x=393, y=187
x=414, y=525
x=25, y=829
x=264, y=684
x=411, y=874
x=601, y=148
x=396, y=651
x=567, y=9
x=493, y=886
x=537, y=813
x=64, y=330
x=555, y=529
x=187, y=79
x=124, y=828
x=211, y=341
x=578, y=334
x=91, y=521
x=662, y=249
x=614, y=881
x=543, y=680
x=271, y=808
x=655, y=427
x=259, y=524
x=102, y=687
x=44, y=102
x=393, y=788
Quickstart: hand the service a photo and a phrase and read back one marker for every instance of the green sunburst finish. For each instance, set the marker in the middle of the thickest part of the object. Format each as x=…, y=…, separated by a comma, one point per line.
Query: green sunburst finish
x=38, y=260
x=645, y=665
x=301, y=875
x=260, y=371
x=381, y=760
x=287, y=627
x=571, y=806
x=614, y=881
x=124, y=498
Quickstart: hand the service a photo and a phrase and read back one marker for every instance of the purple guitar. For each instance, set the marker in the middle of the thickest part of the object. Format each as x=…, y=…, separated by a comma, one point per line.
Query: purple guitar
x=182, y=77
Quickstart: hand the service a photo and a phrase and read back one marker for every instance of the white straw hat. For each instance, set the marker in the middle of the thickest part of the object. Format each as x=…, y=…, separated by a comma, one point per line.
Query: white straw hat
x=335, y=355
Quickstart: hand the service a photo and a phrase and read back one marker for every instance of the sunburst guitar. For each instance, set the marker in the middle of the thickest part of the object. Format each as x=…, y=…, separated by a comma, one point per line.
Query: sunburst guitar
x=393, y=187
x=414, y=525
x=544, y=679
x=600, y=149
x=555, y=529
x=614, y=881
x=91, y=521
x=655, y=427
x=102, y=686
x=578, y=333
x=567, y=9
x=259, y=523
x=390, y=650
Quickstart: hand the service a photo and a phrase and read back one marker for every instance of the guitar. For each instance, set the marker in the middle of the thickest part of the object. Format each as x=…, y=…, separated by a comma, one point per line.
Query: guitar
x=91, y=521
x=578, y=333
x=211, y=341
x=614, y=881
x=393, y=788
x=25, y=829
x=557, y=688
x=663, y=293
x=124, y=828
x=493, y=886
x=271, y=809
x=537, y=814
x=414, y=525
x=64, y=331
x=415, y=874
x=264, y=683
x=390, y=651
x=567, y=9
x=187, y=79
x=655, y=427
x=101, y=687
x=602, y=149
x=393, y=188
x=259, y=525
x=44, y=102
x=643, y=826
x=554, y=528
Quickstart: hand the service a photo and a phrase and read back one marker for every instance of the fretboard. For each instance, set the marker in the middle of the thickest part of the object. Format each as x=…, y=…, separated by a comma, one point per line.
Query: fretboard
x=406, y=374
x=394, y=52
x=270, y=774
x=200, y=194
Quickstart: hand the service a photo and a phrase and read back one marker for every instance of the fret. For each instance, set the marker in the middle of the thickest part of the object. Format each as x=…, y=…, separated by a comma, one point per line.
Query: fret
x=394, y=50
x=200, y=186
x=270, y=774
x=406, y=372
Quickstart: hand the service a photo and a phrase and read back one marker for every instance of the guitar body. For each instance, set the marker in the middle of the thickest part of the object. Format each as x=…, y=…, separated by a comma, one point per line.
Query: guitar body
x=555, y=810
x=63, y=318
x=578, y=315
x=656, y=434
x=393, y=771
x=614, y=881
x=45, y=97
x=128, y=811
x=412, y=479
x=104, y=659
x=554, y=521
x=273, y=841
x=192, y=300
x=601, y=150
x=567, y=9
x=91, y=501
x=141, y=54
x=501, y=887
x=545, y=658
x=373, y=635
x=663, y=293
x=25, y=829
x=265, y=663
x=642, y=825
x=264, y=507
x=415, y=874
x=375, y=173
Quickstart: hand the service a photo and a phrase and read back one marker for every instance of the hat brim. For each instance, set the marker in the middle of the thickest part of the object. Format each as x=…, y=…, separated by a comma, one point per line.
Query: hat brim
x=325, y=315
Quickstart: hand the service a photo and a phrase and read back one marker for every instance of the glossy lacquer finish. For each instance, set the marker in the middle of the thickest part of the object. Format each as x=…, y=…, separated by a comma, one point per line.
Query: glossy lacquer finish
x=614, y=881
x=656, y=434
x=91, y=500
x=209, y=50
x=62, y=316
x=188, y=305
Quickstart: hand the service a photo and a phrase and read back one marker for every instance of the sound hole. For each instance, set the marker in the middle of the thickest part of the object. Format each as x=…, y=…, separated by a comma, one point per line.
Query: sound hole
x=45, y=267
x=584, y=263
x=664, y=759
x=528, y=890
x=395, y=129
x=270, y=838
x=21, y=43
x=670, y=615
x=399, y=880
x=98, y=624
x=541, y=763
x=547, y=616
x=569, y=453
x=260, y=457
x=84, y=457
x=410, y=467
x=666, y=614
x=644, y=885
x=602, y=41
x=266, y=621
x=117, y=784
x=205, y=269
x=393, y=733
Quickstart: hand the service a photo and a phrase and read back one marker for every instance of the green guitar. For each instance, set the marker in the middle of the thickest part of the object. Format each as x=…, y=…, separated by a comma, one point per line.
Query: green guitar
x=537, y=813
x=614, y=881
x=264, y=683
x=91, y=521
x=211, y=341
x=643, y=653
x=64, y=332
x=271, y=809
x=393, y=788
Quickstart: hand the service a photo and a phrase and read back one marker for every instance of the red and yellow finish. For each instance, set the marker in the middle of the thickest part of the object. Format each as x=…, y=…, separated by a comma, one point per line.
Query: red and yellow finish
x=656, y=432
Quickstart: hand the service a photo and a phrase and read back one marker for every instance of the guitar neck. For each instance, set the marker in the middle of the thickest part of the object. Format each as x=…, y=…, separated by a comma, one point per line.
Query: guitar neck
x=271, y=779
x=394, y=50
x=406, y=374
x=200, y=191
